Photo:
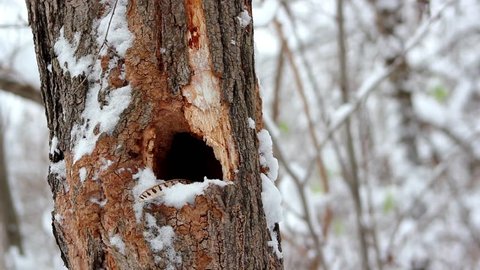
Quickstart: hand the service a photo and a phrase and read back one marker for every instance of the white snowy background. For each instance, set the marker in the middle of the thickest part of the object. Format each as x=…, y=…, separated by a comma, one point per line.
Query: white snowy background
x=417, y=213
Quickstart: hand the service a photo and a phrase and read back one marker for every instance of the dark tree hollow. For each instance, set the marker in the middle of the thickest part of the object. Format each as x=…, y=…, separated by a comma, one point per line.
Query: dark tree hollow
x=189, y=158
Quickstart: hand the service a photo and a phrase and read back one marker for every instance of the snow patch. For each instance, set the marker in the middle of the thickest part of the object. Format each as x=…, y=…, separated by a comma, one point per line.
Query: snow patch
x=105, y=164
x=265, y=149
x=272, y=200
x=244, y=18
x=65, y=52
x=251, y=123
x=102, y=203
x=161, y=239
x=59, y=169
x=58, y=218
x=117, y=241
x=104, y=118
x=180, y=194
x=176, y=196
x=271, y=196
x=83, y=174
x=103, y=167
x=54, y=146
x=113, y=29
x=145, y=180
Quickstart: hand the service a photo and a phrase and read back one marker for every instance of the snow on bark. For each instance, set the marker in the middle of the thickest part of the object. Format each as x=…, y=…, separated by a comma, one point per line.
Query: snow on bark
x=54, y=146
x=271, y=200
x=65, y=52
x=271, y=196
x=177, y=195
x=100, y=202
x=59, y=169
x=251, y=123
x=181, y=194
x=114, y=26
x=117, y=241
x=58, y=218
x=144, y=179
x=111, y=30
x=267, y=160
x=161, y=239
x=244, y=18
x=83, y=174
x=103, y=167
x=95, y=115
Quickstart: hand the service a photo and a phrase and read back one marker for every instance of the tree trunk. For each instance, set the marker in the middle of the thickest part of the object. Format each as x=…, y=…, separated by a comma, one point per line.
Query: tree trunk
x=8, y=214
x=388, y=20
x=133, y=88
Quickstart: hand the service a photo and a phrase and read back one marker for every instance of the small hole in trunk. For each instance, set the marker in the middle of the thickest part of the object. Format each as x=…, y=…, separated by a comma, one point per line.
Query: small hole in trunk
x=191, y=158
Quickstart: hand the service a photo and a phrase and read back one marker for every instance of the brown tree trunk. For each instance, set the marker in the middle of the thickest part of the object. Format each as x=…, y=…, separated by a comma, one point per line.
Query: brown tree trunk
x=169, y=92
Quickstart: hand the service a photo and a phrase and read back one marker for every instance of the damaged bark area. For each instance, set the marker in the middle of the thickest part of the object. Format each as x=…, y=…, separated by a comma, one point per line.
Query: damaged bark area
x=191, y=73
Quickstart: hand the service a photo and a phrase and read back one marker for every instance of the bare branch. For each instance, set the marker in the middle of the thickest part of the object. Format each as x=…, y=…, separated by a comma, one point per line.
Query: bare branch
x=278, y=84
x=306, y=106
x=21, y=89
x=353, y=181
x=14, y=26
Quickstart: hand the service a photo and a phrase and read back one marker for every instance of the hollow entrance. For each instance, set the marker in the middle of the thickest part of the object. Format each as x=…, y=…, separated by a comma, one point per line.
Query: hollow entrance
x=190, y=158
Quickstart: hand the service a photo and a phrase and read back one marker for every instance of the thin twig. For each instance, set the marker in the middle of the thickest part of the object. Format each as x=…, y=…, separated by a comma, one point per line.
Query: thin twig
x=13, y=26
x=353, y=181
x=451, y=135
x=278, y=84
x=306, y=106
x=311, y=125
x=366, y=146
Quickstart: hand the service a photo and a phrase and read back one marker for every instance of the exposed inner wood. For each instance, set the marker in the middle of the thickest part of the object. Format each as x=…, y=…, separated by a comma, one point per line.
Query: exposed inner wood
x=205, y=113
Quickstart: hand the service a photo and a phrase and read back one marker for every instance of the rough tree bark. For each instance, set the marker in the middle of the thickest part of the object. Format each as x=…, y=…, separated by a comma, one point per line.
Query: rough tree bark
x=189, y=74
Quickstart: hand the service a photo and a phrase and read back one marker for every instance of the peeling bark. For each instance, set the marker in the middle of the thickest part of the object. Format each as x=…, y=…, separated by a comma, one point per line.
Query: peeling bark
x=191, y=70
